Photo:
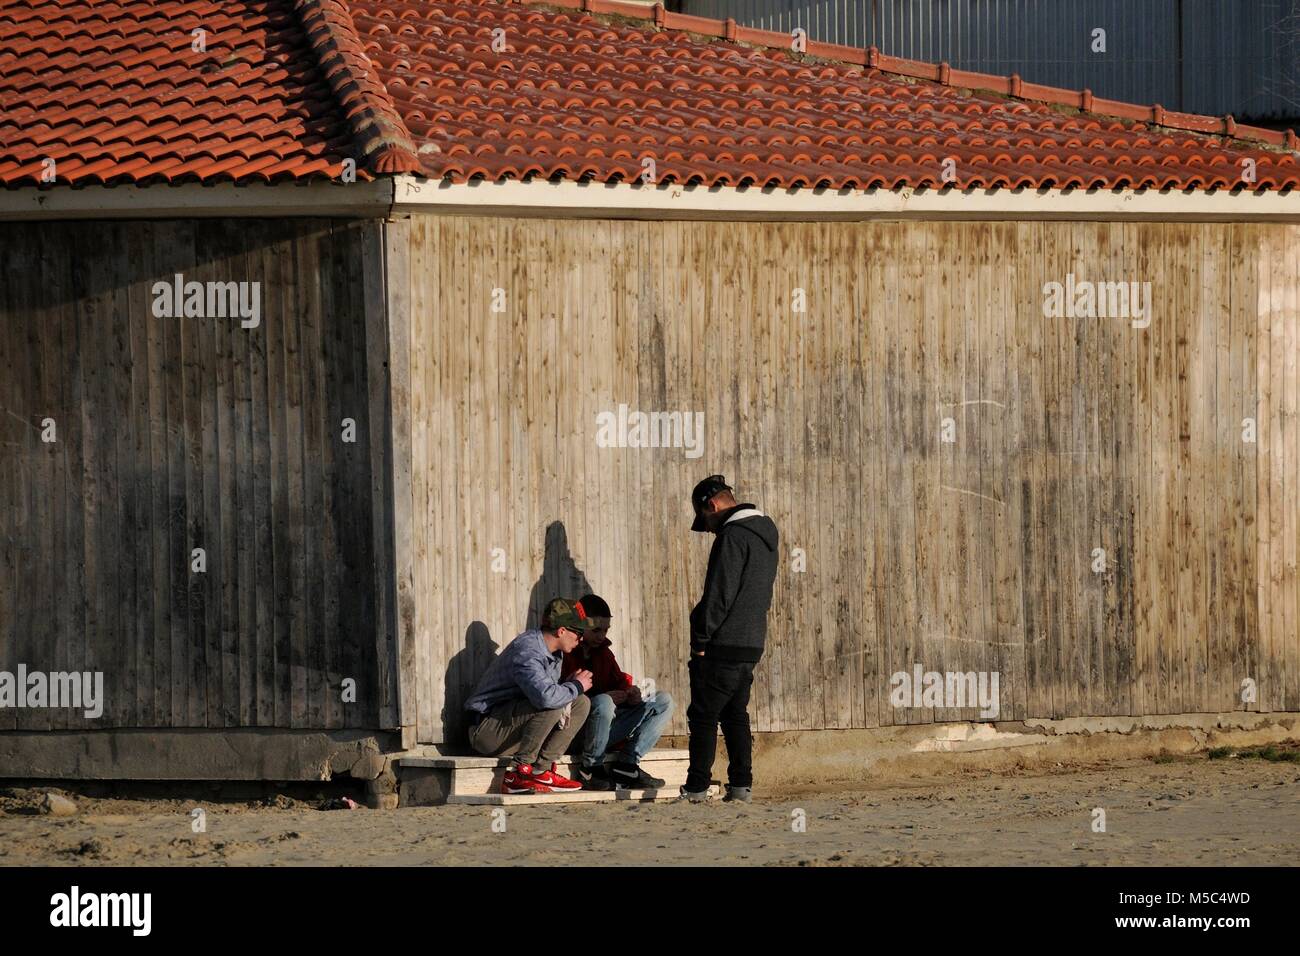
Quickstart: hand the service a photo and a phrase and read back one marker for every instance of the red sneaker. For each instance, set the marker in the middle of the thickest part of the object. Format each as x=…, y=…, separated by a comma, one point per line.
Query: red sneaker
x=521, y=779
x=550, y=780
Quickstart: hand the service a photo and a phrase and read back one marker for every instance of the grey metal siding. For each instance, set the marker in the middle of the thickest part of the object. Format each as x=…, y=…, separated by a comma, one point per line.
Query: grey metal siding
x=1203, y=56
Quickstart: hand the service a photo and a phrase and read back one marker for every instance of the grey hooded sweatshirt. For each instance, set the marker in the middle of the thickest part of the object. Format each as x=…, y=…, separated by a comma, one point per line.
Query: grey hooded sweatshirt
x=730, y=622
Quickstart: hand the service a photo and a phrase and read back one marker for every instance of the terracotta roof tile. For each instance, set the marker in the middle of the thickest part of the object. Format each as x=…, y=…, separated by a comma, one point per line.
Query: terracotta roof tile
x=377, y=129
x=579, y=94
x=113, y=92
x=578, y=89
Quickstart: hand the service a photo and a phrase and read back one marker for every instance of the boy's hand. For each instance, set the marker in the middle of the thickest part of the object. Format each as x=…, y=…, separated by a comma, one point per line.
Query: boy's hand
x=584, y=679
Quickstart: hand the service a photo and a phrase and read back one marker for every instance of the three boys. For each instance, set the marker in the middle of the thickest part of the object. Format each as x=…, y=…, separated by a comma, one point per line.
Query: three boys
x=538, y=694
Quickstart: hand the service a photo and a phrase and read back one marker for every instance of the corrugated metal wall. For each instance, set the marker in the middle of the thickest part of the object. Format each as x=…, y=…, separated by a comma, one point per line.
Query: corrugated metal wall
x=1235, y=56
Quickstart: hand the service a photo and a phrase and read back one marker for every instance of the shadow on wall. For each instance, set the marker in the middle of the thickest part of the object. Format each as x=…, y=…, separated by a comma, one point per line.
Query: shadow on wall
x=463, y=671
x=561, y=577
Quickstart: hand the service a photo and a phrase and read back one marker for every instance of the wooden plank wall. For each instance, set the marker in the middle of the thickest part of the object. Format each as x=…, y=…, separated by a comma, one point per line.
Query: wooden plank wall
x=183, y=433
x=1069, y=435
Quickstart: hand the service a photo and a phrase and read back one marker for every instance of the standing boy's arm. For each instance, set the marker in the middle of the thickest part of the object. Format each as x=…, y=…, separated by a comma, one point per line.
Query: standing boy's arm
x=720, y=590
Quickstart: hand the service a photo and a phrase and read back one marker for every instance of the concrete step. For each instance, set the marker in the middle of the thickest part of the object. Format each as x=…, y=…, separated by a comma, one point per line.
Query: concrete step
x=475, y=780
x=429, y=777
x=569, y=796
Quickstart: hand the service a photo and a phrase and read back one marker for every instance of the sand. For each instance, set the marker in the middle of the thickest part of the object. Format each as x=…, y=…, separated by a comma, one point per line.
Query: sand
x=1180, y=812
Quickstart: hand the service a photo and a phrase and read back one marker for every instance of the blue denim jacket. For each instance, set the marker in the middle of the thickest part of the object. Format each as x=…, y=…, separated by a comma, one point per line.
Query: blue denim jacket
x=524, y=669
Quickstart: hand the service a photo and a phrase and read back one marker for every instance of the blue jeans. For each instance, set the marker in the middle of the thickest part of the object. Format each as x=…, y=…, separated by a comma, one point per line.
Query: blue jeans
x=639, y=724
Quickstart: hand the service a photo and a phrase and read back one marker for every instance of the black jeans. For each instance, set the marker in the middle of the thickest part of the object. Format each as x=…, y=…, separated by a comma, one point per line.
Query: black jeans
x=719, y=695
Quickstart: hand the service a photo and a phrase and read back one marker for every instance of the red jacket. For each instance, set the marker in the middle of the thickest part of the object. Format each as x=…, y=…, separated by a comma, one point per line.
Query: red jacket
x=606, y=675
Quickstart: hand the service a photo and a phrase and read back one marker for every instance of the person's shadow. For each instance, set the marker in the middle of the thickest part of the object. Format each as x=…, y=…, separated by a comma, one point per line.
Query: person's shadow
x=463, y=672
x=561, y=577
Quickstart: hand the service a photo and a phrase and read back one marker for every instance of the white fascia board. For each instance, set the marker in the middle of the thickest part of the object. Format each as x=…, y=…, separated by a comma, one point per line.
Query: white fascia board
x=404, y=195
x=565, y=200
x=367, y=200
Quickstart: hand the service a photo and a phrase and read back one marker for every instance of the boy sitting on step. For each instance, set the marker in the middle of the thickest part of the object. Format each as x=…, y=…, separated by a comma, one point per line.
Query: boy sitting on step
x=620, y=722
x=524, y=708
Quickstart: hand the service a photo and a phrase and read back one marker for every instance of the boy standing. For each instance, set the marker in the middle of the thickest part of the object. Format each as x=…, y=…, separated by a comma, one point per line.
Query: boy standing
x=728, y=634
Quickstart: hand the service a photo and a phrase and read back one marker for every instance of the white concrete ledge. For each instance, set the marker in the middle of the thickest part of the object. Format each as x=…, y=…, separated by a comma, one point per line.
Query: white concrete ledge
x=420, y=758
x=410, y=195
x=560, y=200
x=562, y=796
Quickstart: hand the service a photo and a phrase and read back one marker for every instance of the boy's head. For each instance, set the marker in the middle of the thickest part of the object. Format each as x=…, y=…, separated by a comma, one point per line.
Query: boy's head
x=598, y=620
x=567, y=621
x=711, y=498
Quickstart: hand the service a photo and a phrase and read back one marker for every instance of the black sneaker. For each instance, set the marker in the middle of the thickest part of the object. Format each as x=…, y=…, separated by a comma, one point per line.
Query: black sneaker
x=628, y=776
x=593, y=778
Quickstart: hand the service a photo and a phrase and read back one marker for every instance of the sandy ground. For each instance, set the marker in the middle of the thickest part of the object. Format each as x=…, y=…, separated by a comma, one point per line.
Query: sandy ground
x=1186, y=811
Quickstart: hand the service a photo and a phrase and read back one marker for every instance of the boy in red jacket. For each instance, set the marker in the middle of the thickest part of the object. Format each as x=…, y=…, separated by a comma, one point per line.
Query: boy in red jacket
x=618, y=713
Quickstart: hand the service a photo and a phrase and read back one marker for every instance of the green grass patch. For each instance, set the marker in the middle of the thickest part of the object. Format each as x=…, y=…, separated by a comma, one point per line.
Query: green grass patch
x=1272, y=753
x=1287, y=752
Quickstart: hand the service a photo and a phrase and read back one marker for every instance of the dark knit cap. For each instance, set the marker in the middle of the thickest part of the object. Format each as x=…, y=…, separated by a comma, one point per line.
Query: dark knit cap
x=594, y=605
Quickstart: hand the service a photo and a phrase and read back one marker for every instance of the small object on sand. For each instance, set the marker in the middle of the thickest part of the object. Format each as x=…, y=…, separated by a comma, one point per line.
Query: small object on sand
x=339, y=803
x=91, y=847
x=58, y=806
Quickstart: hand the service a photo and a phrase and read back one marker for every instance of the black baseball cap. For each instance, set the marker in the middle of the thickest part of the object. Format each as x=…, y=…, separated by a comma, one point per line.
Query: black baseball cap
x=705, y=490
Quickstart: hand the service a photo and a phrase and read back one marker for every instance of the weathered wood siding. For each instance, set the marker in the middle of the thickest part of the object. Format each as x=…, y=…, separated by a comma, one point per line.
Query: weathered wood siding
x=1069, y=435
x=174, y=434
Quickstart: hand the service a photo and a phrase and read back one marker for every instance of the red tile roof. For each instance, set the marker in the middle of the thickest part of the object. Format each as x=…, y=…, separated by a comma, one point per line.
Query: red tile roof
x=288, y=89
x=380, y=135
x=112, y=91
x=577, y=96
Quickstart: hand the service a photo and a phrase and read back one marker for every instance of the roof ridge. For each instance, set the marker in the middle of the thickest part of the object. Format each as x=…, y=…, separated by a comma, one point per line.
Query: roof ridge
x=377, y=128
x=941, y=73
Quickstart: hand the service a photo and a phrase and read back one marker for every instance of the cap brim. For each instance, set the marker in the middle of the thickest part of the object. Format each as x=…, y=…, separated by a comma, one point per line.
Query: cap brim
x=699, y=524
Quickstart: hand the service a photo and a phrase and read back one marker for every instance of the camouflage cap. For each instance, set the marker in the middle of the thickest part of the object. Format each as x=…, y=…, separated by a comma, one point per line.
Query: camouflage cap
x=562, y=612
